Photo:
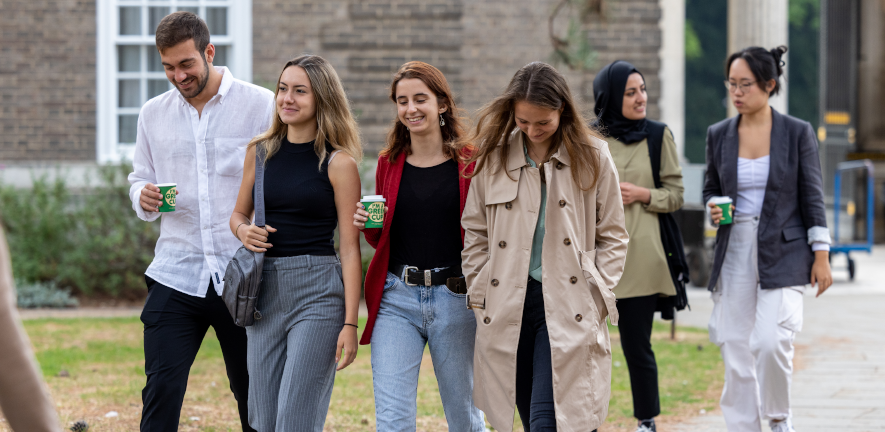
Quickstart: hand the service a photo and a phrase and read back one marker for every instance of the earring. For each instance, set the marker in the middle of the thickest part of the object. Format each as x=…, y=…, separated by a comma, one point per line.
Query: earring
x=442, y=121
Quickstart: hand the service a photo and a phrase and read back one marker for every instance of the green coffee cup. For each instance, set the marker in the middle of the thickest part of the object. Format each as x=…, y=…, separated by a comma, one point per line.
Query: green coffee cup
x=724, y=203
x=374, y=205
x=168, y=192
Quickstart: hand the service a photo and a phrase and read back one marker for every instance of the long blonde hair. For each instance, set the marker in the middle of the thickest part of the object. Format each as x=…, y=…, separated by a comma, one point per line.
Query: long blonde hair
x=541, y=85
x=335, y=122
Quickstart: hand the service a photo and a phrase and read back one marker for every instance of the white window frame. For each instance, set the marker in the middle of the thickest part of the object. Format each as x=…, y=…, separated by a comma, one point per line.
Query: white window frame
x=239, y=38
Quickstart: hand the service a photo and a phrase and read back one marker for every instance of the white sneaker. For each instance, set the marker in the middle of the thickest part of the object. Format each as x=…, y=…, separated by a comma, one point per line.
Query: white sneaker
x=644, y=428
x=782, y=426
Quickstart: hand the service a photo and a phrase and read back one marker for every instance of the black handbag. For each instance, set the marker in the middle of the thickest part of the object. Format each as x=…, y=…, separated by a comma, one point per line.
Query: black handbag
x=242, y=278
x=671, y=236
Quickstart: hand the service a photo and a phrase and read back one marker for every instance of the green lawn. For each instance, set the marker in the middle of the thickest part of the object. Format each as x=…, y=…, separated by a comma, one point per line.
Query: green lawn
x=94, y=366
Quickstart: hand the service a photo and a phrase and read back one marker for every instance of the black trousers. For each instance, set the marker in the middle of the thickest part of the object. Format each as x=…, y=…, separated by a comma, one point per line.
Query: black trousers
x=637, y=315
x=534, y=366
x=174, y=326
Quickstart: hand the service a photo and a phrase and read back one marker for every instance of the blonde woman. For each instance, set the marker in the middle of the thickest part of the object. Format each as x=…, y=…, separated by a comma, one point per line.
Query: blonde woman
x=544, y=245
x=309, y=299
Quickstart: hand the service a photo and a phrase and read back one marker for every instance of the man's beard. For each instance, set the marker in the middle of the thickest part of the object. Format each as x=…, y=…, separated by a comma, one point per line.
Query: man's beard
x=200, y=83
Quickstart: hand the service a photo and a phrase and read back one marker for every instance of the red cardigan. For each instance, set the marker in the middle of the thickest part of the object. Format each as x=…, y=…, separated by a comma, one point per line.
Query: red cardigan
x=387, y=180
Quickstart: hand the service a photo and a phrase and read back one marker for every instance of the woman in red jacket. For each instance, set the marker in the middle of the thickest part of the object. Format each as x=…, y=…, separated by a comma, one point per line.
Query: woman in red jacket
x=415, y=291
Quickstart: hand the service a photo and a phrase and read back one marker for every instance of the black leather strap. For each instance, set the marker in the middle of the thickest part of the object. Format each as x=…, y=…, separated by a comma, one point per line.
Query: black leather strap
x=437, y=277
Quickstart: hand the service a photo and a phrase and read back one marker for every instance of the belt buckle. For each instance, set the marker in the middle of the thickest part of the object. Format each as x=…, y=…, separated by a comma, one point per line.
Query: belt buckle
x=405, y=275
x=427, y=278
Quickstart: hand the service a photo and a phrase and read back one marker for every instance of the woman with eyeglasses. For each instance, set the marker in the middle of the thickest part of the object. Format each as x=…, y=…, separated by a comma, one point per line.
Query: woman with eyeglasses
x=767, y=164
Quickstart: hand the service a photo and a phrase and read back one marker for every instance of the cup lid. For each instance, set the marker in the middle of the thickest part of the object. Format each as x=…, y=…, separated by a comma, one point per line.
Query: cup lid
x=165, y=184
x=720, y=200
x=374, y=198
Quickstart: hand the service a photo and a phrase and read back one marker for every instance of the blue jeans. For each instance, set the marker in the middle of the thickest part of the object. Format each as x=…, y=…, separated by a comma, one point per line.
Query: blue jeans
x=409, y=318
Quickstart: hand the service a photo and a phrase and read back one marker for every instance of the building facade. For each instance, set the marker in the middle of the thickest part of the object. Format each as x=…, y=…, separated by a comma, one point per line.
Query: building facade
x=76, y=72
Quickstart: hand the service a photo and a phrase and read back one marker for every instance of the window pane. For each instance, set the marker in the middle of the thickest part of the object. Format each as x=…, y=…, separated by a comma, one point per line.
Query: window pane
x=130, y=20
x=154, y=64
x=129, y=58
x=221, y=55
x=155, y=14
x=194, y=10
x=216, y=19
x=130, y=93
x=127, y=126
x=157, y=87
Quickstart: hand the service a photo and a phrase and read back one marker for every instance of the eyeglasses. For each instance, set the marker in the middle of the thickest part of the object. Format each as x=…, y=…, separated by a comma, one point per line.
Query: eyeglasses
x=732, y=87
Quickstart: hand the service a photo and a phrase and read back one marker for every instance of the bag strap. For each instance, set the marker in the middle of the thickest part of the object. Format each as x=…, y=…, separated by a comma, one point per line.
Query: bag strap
x=656, y=132
x=258, y=197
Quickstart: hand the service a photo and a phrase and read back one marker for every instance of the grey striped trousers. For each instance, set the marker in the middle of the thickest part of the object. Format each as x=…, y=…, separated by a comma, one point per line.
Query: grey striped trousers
x=291, y=352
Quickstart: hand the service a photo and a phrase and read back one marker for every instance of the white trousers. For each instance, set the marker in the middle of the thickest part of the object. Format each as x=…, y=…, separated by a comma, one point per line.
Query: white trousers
x=754, y=329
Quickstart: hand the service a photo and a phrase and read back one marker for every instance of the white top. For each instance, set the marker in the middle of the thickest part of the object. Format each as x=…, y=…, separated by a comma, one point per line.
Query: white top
x=752, y=177
x=751, y=180
x=204, y=155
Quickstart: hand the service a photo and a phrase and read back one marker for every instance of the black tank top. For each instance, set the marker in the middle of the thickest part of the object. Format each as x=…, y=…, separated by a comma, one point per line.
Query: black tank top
x=426, y=227
x=299, y=202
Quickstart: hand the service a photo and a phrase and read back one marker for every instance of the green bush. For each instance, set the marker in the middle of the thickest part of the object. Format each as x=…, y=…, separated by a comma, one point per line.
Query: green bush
x=43, y=295
x=86, y=239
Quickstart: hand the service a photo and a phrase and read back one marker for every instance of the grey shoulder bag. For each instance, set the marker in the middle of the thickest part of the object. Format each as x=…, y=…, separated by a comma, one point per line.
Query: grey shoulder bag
x=242, y=278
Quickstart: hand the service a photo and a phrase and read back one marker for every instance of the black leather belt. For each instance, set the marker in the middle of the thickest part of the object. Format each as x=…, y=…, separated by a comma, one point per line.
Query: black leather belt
x=450, y=277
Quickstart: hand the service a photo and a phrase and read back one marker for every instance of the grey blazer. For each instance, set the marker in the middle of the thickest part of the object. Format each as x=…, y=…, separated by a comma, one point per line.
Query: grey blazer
x=793, y=203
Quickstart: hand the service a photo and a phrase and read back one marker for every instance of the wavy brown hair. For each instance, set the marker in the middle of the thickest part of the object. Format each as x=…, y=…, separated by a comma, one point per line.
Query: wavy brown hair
x=399, y=140
x=541, y=85
x=335, y=123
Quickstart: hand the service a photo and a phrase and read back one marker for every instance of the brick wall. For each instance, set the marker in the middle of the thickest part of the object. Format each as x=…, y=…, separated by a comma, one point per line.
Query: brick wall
x=47, y=80
x=478, y=44
x=47, y=76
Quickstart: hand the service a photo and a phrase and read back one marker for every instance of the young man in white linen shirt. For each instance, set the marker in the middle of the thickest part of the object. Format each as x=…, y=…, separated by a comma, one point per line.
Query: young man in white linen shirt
x=195, y=136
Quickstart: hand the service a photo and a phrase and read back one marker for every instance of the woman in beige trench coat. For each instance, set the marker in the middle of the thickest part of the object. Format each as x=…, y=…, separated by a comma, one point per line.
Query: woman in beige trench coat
x=544, y=244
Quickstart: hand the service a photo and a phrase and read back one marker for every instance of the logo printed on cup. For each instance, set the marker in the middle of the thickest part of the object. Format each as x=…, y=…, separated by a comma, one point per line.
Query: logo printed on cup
x=376, y=212
x=170, y=197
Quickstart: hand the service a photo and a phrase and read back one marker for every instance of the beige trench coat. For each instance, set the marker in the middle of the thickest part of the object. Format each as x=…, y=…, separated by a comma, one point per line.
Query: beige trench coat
x=584, y=250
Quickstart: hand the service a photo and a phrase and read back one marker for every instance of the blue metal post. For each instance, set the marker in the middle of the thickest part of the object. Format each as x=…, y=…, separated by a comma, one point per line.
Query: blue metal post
x=836, y=210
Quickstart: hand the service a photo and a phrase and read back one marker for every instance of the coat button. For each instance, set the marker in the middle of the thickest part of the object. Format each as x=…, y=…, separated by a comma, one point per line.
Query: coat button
x=573, y=280
x=494, y=282
x=578, y=318
x=508, y=206
x=502, y=244
x=487, y=320
x=559, y=165
x=567, y=242
x=562, y=203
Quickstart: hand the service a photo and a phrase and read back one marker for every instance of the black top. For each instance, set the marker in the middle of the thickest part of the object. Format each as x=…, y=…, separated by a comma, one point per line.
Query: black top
x=299, y=202
x=426, y=227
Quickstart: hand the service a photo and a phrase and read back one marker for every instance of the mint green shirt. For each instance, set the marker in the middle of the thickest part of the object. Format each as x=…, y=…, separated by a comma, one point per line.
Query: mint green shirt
x=538, y=237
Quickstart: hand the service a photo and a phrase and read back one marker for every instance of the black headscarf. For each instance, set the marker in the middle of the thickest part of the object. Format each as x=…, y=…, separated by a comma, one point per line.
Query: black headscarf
x=608, y=89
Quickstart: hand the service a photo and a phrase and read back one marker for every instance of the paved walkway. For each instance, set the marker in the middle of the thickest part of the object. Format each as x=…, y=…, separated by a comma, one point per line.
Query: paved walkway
x=839, y=382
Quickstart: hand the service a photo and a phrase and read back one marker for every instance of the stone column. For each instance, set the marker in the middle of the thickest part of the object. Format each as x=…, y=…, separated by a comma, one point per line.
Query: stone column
x=763, y=23
x=672, y=75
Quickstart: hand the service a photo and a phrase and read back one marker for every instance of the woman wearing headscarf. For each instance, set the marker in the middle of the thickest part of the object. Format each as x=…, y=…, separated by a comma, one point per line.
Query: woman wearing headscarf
x=619, y=89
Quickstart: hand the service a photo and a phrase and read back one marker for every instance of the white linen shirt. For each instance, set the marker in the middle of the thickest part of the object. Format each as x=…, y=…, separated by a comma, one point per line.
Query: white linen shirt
x=204, y=156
